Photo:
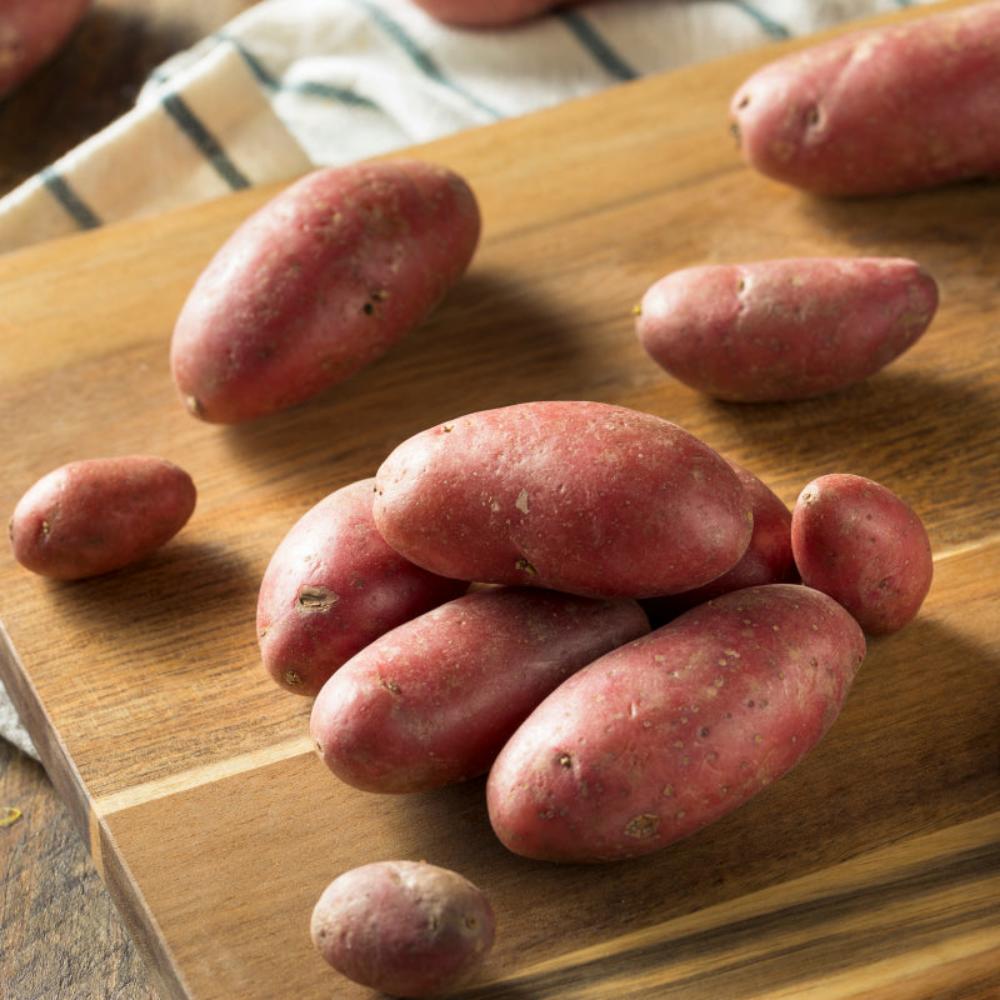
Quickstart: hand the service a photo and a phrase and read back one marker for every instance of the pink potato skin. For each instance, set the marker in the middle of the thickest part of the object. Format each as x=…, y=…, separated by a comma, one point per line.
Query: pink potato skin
x=406, y=928
x=768, y=558
x=488, y=13
x=333, y=586
x=320, y=282
x=433, y=701
x=31, y=31
x=582, y=497
x=100, y=514
x=885, y=111
x=858, y=542
x=785, y=329
x=669, y=733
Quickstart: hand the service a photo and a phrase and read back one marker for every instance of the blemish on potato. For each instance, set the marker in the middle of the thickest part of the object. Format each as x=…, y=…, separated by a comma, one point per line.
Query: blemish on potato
x=642, y=826
x=292, y=679
x=521, y=503
x=525, y=567
x=316, y=600
x=391, y=686
x=668, y=791
x=565, y=760
x=194, y=406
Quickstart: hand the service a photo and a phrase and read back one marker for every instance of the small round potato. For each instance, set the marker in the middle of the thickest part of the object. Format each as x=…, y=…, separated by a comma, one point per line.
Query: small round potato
x=856, y=541
x=100, y=514
x=407, y=928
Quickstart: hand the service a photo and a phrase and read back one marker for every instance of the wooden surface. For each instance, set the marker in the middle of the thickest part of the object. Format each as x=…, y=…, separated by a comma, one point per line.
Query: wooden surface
x=872, y=870
x=58, y=926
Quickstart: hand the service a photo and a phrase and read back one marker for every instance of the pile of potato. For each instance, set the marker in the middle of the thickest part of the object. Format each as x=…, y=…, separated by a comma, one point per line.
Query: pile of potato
x=484, y=603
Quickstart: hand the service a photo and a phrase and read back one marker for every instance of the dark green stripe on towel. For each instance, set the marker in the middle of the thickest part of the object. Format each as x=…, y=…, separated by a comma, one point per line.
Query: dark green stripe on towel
x=421, y=59
x=57, y=185
x=602, y=52
x=206, y=143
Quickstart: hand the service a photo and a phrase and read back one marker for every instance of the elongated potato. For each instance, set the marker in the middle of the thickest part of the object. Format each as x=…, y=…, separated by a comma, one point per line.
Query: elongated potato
x=785, y=329
x=880, y=112
x=31, y=31
x=403, y=927
x=855, y=540
x=768, y=558
x=582, y=497
x=661, y=737
x=332, y=586
x=433, y=701
x=100, y=514
x=484, y=13
x=320, y=282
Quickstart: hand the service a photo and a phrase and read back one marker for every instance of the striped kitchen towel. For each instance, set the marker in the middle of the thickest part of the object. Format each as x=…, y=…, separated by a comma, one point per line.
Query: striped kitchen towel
x=293, y=84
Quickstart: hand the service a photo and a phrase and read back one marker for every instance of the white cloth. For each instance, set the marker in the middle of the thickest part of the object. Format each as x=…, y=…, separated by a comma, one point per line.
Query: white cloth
x=295, y=83
x=292, y=84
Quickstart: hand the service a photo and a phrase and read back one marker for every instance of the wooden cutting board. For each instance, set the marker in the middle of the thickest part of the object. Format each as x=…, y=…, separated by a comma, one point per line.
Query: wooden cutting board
x=872, y=870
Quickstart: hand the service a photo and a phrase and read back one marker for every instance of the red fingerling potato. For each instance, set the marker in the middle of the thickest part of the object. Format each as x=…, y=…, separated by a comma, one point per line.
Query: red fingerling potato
x=661, y=737
x=581, y=497
x=100, y=514
x=320, y=282
x=433, y=701
x=784, y=329
x=880, y=112
x=858, y=542
x=768, y=558
x=31, y=31
x=406, y=928
x=484, y=13
x=332, y=586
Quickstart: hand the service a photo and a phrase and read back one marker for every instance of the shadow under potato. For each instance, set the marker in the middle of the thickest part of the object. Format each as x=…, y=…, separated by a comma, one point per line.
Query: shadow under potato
x=490, y=323
x=933, y=438
x=178, y=588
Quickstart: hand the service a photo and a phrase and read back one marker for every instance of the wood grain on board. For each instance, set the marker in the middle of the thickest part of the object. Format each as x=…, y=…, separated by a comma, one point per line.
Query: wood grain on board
x=871, y=870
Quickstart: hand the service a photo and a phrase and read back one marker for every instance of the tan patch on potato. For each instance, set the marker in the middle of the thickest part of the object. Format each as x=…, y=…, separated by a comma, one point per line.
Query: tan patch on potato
x=643, y=826
x=315, y=600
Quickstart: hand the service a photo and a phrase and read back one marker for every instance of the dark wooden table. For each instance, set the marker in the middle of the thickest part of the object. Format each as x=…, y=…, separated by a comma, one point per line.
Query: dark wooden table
x=60, y=935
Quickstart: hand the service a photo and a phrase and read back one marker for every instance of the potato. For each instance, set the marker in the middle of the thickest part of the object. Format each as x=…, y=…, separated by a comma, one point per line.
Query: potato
x=403, y=927
x=768, y=558
x=582, y=497
x=332, y=586
x=31, y=31
x=320, y=282
x=879, y=112
x=99, y=514
x=433, y=701
x=659, y=738
x=484, y=13
x=858, y=542
x=784, y=329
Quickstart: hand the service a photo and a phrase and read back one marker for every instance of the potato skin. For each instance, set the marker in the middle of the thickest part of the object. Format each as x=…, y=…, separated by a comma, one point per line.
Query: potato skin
x=320, y=282
x=484, y=13
x=667, y=734
x=857, y=541
x=332, y=586
x=31, y=31
x=433, y=701
x=100, y=514
x=768, y=558
x=403, y=927
x=785, y=329
x=581, y=497
x=886, y=111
